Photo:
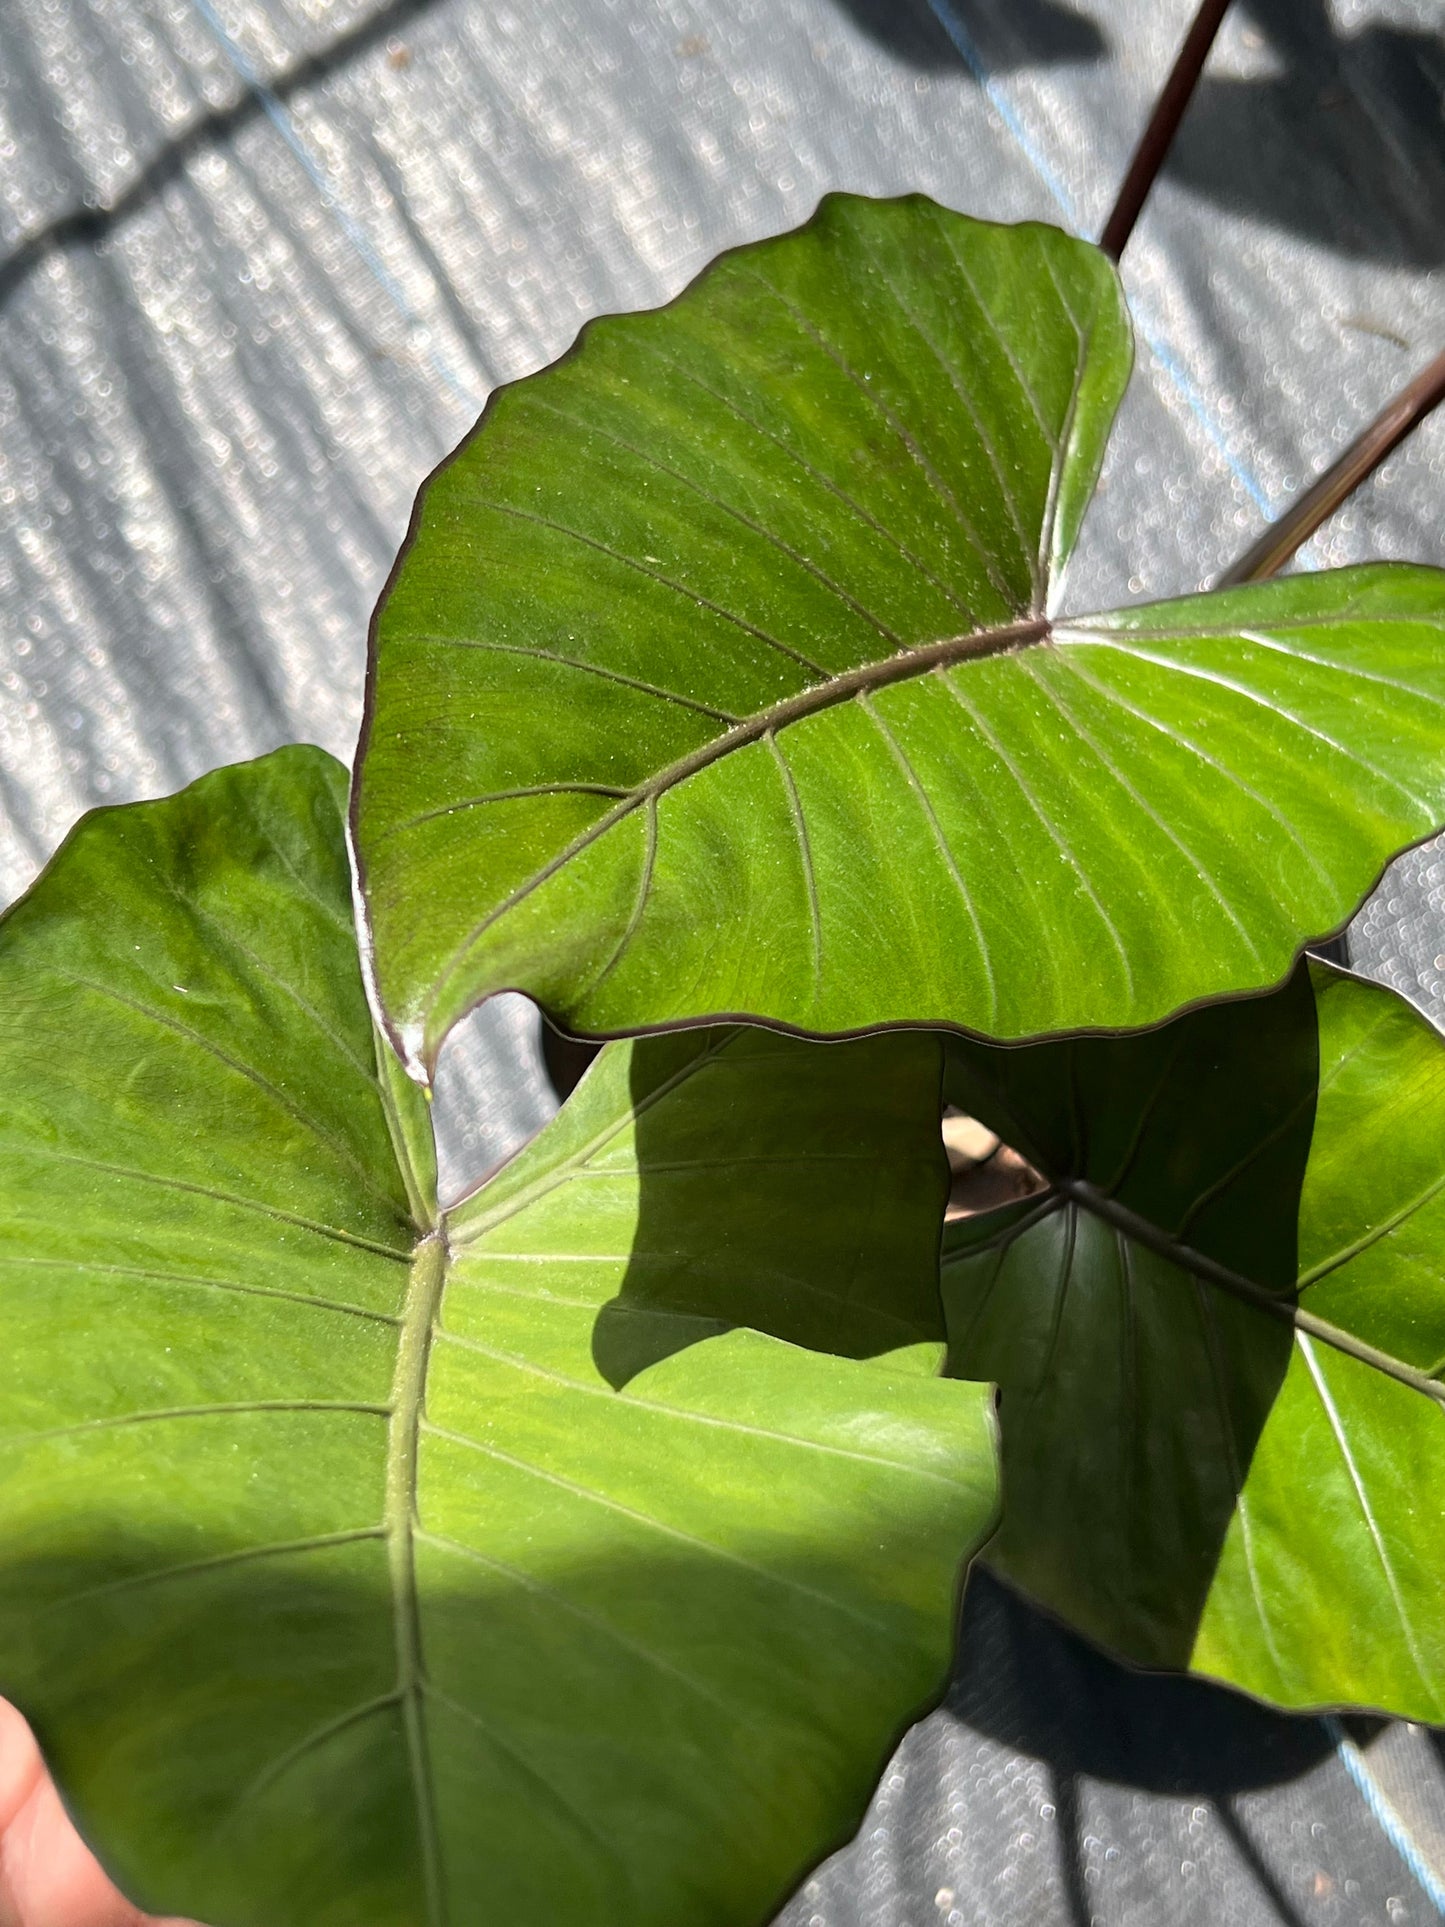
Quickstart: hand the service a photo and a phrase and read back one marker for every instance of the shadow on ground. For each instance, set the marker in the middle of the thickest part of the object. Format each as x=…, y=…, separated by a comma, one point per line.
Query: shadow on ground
x=1340, y=143
x=1043, y=32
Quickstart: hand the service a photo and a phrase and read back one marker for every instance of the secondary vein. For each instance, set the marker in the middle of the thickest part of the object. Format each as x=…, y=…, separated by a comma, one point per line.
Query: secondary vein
x=807, y=702
x=1198, y=1265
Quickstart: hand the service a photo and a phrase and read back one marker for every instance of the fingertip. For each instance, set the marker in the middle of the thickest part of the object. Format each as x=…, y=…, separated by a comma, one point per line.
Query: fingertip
x=48, y=1876
x=21, y=1767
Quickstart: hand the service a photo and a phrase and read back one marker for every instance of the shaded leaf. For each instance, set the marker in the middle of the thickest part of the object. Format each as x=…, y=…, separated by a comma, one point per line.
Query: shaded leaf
x=342, y=1586
x=1219, y=1337
x=723, y=674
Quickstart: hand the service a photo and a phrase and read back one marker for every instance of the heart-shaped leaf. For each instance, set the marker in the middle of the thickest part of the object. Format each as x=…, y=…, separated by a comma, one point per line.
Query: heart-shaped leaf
x=343, y=1584
x=1219, y=1336
x=722, y=674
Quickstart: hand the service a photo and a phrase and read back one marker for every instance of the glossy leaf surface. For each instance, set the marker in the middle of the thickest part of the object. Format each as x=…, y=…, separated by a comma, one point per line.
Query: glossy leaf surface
x=363, y=1573
x=723, y=674
x=1219, y=1339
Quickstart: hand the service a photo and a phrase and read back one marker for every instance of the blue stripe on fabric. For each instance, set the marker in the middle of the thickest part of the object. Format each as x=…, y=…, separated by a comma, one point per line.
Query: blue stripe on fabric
x=276, y=112
x=1390, y=1822
x=1168, y=361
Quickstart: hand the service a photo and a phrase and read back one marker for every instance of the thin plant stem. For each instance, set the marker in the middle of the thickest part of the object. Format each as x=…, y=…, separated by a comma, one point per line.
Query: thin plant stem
x=1158, y=136
x=1364, y=455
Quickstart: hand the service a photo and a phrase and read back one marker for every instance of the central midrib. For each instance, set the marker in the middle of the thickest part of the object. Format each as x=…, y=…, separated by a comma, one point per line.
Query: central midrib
x=807, y=702
x=423, y=1299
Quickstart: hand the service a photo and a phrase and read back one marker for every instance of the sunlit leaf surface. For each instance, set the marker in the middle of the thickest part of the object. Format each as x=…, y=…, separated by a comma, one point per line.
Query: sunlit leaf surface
x=726, y=673
x=364, y=1569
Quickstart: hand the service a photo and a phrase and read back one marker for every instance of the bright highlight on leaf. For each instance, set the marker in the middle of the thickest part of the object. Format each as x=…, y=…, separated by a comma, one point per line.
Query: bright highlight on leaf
x=357, y=1565
x=725, y=673
x=1220, y=1339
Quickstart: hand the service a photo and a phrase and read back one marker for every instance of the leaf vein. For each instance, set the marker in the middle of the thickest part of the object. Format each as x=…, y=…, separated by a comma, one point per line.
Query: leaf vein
x=792, y=709
x=901, y=430
x=1172, y=734
x=1272, y=708
x=584, y=668
x=768, y=535
x=1332, y=1413
x=1025, y=386
x=189, y=1278
x=805, y=855
x=590, y=1495
x=220, y=1197
x=1107, y=762
x=516, y=1362
x=925, y=805
x=663, y=581
x=647, y=1654
x=243, y=1555
x=322, y=1133
x=855, y=507
x=1049, y=827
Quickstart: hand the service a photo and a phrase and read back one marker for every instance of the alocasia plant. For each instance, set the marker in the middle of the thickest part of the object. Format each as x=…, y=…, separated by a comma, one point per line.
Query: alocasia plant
x=575, y=1549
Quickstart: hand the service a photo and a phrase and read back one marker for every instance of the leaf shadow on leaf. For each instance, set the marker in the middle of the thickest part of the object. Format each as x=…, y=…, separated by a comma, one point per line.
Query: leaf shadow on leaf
x=619, y=1740
x=738, y=1237
x=1132, y=1393
x=644, y=1657
x=565, y=1058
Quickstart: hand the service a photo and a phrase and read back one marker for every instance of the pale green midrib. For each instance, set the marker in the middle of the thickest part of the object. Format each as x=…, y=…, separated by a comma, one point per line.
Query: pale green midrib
x=1114, y=625
x=1138, y=1228
x=421, y=1305
x=1087, y=629
x=880, y=674
x=1052, y=562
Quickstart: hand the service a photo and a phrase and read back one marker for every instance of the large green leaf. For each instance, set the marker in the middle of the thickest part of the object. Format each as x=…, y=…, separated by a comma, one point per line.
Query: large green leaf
x=723, y=674
x=343, y=1584
x=1220, y=1335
